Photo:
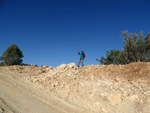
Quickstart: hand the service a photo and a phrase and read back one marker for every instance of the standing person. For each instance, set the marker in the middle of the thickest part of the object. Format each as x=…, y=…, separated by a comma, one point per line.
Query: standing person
x=82, y=56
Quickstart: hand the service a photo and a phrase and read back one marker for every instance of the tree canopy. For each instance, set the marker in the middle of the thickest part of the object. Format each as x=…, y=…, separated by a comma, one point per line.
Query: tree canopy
x=12, y=56
x=136, y=49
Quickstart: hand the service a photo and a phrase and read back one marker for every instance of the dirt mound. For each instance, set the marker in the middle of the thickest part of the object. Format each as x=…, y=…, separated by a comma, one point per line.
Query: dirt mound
x=102, y=88
x=133, y=71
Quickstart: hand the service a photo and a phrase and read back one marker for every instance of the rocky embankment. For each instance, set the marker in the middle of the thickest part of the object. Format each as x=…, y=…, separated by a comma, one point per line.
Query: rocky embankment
x=101, y=88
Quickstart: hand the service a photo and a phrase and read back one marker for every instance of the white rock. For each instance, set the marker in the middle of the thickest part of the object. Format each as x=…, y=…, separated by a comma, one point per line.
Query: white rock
x=51, y=67
x=71, y=65
x=134, y=97
x=62, y=66
x=44, y=66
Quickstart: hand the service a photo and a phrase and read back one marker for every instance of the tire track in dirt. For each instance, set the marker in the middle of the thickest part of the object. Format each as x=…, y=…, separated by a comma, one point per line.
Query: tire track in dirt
x=6, y=80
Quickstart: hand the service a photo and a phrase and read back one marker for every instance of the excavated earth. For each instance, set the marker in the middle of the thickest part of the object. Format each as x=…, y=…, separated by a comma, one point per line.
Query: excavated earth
x=96, y=88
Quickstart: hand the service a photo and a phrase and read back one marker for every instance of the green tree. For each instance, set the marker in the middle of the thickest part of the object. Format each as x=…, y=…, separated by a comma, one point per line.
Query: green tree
x=2, y=64
x=136, y=49
x=12, y=56
x=147, y=43
x=113, y=57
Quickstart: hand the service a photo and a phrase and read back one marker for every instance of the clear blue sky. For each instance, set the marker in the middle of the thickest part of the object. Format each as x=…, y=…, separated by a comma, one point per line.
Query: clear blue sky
x=51, y=32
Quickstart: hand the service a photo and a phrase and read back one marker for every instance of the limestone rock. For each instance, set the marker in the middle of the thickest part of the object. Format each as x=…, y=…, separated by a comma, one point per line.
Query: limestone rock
x=62, y=66
x=115, y=99
x=38, y=82
x=71, y=65
x=45, y=66
x=122, y=88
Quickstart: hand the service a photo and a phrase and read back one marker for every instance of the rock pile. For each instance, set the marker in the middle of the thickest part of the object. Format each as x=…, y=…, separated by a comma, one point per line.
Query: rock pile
x=104, y=89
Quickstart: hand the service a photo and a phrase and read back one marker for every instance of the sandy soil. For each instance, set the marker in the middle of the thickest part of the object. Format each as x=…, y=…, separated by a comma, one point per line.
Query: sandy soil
x=17, y=96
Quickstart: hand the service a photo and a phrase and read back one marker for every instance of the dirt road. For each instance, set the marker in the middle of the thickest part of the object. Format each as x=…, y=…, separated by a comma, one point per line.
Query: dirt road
x=14, y=98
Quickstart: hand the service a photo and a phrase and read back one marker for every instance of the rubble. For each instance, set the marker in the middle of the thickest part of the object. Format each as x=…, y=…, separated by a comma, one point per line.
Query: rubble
x=102, y=88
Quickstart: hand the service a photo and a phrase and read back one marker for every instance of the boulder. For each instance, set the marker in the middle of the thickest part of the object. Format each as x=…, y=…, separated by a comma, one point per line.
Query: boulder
x=71, y=65
x=62, y=66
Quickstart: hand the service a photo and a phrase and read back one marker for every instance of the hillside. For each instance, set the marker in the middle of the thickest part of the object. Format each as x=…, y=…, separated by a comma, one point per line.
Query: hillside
x=99, y=88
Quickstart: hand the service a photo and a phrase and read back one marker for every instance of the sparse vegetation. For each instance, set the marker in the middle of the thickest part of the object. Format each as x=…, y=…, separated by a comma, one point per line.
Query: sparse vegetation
x=136, y=49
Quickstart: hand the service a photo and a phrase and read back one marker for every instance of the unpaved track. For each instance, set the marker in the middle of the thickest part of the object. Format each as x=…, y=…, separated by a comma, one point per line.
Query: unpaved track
x=14, y=99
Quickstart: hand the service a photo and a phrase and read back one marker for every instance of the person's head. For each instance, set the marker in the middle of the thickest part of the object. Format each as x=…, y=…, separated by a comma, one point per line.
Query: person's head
x=82, y=51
